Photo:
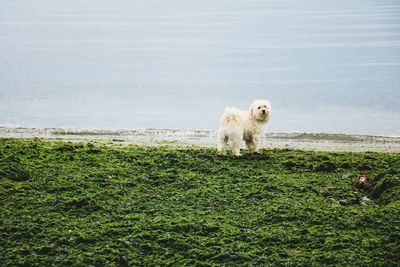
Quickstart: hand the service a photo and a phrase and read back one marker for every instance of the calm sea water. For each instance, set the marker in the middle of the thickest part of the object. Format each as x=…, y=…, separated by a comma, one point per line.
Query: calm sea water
x=326, y=66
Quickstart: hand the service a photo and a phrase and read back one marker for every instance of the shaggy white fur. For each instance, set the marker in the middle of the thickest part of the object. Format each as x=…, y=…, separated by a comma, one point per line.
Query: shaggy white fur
x=237, y=125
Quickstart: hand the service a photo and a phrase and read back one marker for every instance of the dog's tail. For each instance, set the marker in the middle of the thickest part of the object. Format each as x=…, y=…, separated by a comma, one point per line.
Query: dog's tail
x=231, y=118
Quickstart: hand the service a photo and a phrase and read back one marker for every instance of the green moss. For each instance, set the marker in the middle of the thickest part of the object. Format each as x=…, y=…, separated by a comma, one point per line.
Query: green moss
x=86, y=204
x=385, y=187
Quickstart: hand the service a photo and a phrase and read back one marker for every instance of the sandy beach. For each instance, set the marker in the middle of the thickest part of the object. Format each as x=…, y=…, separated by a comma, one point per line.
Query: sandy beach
x=207, y=138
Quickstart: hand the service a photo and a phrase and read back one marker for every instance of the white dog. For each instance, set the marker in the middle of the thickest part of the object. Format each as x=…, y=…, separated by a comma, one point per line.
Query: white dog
x=237, y=125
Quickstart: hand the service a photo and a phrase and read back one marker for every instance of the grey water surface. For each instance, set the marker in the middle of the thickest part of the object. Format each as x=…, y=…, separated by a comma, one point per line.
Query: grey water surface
x=326, y=66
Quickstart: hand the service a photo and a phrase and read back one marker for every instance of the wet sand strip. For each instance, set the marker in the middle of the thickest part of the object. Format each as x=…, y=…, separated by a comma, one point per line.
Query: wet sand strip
x=304, y=141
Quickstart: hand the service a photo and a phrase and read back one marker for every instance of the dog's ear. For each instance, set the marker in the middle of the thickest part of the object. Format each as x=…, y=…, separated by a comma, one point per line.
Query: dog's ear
x=251, y=110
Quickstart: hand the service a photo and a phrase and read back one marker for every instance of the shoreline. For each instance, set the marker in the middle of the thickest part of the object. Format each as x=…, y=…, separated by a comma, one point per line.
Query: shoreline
x=207, y=138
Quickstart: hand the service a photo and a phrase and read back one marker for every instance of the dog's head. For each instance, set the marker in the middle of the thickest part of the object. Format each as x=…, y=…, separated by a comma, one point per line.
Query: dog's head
x=260, y=110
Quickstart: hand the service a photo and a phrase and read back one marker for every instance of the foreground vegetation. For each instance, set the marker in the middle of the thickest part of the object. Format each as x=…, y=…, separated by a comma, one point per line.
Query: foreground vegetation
x=84, y=204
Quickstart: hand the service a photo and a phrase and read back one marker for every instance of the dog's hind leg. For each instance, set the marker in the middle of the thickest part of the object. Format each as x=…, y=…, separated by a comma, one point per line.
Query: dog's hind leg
x=236, y=138
x=236, y=149
x=222, y=142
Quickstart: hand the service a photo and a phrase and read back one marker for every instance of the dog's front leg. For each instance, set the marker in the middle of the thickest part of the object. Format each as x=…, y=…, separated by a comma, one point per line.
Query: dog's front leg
x=256, y=141
x=251, y=146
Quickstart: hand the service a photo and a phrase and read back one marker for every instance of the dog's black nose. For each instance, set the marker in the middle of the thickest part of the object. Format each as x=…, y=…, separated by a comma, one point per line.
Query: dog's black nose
x=264, y=111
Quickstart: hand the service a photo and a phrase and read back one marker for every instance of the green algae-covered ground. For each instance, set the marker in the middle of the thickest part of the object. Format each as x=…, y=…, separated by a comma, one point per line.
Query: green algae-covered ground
x=84, y=204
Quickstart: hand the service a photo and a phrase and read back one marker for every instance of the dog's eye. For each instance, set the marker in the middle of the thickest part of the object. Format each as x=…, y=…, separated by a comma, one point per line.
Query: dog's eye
x=259, y=107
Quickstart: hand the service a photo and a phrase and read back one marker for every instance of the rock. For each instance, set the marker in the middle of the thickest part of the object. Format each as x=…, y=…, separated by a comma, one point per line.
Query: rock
x=364, y=200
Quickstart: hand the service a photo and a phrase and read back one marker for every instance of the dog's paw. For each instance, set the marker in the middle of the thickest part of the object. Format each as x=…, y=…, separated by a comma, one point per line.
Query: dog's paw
x=221, y=152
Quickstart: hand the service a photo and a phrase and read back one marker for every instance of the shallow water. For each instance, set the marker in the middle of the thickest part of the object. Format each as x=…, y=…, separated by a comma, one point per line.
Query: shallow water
x=327, y=66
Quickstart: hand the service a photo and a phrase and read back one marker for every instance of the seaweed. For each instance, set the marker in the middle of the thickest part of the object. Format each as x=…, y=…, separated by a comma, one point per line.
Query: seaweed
x=91, y=203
